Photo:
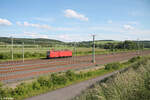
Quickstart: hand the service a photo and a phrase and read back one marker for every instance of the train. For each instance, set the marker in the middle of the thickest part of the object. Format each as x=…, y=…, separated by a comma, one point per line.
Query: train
x=59, y=53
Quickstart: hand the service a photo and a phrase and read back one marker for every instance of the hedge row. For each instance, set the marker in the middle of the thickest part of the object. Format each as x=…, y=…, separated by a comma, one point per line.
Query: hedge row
x=19, y=55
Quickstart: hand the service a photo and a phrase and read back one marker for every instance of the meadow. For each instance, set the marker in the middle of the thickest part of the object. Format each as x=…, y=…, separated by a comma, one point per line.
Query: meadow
x=37, y=52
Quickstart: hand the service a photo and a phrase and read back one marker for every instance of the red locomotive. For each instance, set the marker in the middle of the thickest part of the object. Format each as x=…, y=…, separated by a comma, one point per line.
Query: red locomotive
x=59, y=54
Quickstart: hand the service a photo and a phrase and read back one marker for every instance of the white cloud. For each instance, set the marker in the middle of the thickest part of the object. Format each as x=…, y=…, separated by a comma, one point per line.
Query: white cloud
x=44, y=19
x=18, y=23
x=5, y=22
x=133, y=22
x=27, y=24
x=63, y=29
x=74, y=37
x=73, y=14
x=109, y=21
x=34, y=35
x=37, y=25
x=128, y=27
x=106, y=28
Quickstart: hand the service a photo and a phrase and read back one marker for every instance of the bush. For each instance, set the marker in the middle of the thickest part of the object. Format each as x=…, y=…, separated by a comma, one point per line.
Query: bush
x=18, y=55
x=114, y=65
x=5, y=55
x=142, y=61
x=134, y=59
x=1, y=84
x=70, y=75
x=35, y=85
x=44, y=81
x=21, y=89
x=27, y=54
x=5, y=93
x=58, y=79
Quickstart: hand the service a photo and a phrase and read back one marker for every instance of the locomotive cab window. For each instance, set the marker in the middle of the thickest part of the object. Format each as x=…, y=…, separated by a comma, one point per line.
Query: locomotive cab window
x=48, y=53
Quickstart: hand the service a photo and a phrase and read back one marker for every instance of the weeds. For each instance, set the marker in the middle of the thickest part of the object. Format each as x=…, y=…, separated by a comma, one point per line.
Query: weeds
x=130, y=85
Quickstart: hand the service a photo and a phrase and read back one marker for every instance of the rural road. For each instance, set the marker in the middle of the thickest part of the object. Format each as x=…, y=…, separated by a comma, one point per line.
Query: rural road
x=67, y=93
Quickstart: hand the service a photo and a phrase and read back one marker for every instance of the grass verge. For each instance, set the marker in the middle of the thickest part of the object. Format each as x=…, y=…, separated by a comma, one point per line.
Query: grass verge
x=133, y=84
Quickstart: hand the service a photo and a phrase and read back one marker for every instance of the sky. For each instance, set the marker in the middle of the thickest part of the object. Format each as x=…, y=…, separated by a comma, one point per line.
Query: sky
x=75, y=20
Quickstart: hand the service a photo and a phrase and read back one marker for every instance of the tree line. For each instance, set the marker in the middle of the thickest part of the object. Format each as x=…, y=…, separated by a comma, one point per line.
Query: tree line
x=130, y=45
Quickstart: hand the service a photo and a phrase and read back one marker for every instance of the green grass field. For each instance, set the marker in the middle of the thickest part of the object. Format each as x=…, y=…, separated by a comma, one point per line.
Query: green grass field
x=37, y=52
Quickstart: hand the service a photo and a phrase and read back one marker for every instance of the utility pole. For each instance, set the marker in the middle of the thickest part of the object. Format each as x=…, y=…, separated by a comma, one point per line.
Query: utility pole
x=138, y=46
x=74, y=51
x=12, y=55
x=93, y=50
x=23, y=52
x=124, y=45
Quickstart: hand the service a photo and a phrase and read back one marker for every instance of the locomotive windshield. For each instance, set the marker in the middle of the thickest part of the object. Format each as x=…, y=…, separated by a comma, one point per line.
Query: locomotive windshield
x=48, y=53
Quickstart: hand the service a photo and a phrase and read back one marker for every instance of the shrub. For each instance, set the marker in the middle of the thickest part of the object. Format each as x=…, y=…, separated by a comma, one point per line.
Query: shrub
x=27, y=54
x=58, y=79
x=114, y=65
x=21, y=89
x=17, y=55
x=134, y=59
x=5, y=93
x=147, y=83
x=1, y=84
x=44, y=82
x=70, y=75
x=142, y=61
x=5, y=55
x=1, y=56
x=35, y=85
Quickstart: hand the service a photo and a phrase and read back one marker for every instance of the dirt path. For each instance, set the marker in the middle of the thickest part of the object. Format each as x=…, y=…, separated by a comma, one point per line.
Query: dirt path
x=69, y=92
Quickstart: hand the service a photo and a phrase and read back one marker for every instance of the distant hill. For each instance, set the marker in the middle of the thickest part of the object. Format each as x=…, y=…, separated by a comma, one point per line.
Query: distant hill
x=52, y=42
x=37, y=41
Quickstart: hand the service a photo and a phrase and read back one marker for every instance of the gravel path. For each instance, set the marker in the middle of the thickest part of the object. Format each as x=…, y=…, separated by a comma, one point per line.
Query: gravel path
x=71, y=91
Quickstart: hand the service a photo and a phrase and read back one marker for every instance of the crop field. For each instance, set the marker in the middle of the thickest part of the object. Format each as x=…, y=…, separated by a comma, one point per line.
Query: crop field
x=18, y=71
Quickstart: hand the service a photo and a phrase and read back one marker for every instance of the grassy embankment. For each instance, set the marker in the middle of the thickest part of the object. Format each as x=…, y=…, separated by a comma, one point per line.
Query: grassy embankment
x=134, y=84
x=59, y=80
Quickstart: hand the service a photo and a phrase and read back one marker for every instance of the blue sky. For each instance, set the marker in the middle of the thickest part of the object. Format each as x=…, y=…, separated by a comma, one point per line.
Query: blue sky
x=75, y=20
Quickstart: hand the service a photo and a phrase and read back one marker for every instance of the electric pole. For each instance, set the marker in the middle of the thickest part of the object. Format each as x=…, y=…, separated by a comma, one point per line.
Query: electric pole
x=23, y=52
x=138, y=47
x=12, y=55
x=74, y=51
x=93, y=54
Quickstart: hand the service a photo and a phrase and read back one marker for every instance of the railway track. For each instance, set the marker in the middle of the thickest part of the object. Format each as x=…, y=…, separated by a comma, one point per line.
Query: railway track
x=12, y=72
